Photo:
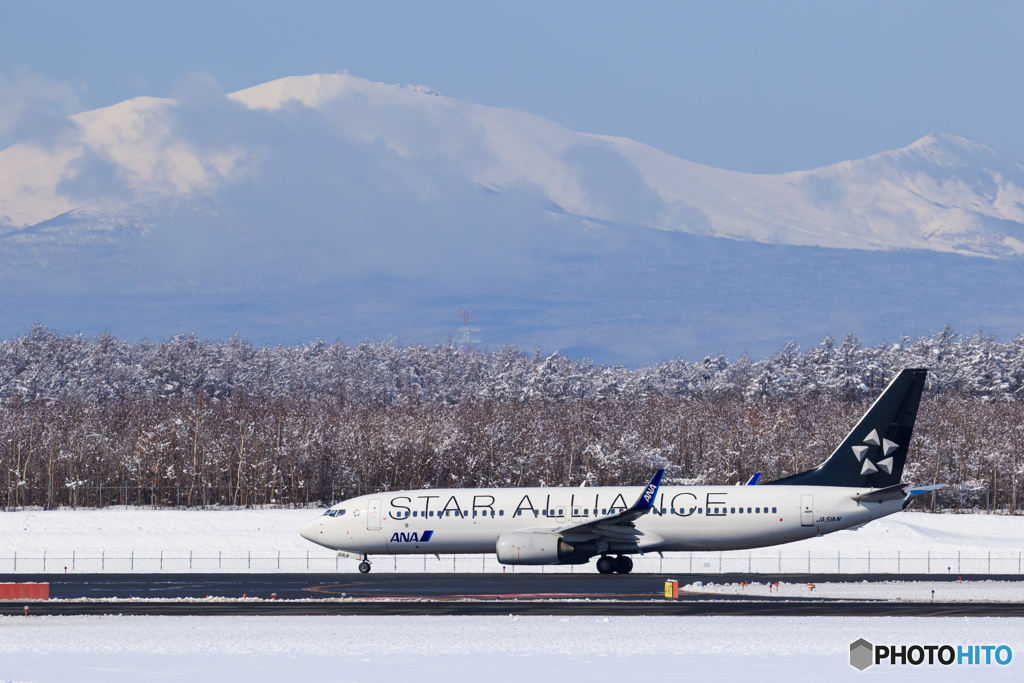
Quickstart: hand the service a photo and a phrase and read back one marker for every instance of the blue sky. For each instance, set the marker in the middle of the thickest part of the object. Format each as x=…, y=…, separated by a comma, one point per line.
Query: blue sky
x=757, y=87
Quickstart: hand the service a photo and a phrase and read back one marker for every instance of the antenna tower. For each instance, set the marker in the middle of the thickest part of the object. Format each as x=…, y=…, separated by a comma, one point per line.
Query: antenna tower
x=467, y=330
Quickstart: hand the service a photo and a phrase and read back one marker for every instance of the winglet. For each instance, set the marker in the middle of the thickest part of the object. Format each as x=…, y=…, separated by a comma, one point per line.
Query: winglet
x=754, y=479
x=646, y=500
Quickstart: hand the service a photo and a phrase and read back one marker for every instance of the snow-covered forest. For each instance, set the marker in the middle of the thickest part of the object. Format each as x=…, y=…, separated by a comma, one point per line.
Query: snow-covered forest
x=189, y=422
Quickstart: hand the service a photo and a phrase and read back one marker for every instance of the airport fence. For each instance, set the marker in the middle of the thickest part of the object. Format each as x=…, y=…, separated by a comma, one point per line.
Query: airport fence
x=702, y=563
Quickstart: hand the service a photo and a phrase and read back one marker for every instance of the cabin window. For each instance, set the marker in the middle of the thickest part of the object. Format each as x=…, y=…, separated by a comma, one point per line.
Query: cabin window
x=431, y=513
x=492, y=513
x=773, y=511
x=757, y=510
x=544, y=512
x=604, y=512
x=700, y=511
x=732, y=511
x=748, y=511
x=414, y=513
x=501, y=513
x=741, y=511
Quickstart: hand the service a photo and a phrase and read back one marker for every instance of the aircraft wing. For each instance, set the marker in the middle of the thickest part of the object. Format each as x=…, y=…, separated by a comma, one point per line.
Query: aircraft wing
x=618, y=527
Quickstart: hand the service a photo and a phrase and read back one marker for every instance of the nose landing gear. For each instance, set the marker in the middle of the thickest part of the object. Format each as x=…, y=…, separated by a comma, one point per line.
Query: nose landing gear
x=608, y=565
x=364, y=567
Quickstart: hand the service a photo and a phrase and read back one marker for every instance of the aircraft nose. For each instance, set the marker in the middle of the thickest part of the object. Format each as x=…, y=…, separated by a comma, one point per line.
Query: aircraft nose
x=309, y=530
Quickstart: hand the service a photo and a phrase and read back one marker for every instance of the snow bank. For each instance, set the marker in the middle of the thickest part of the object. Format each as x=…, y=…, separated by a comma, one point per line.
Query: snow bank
x=475, y=648
x=145, y=540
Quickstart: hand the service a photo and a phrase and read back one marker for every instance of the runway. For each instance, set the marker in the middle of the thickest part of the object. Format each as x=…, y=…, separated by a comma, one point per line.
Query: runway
x=451, y=594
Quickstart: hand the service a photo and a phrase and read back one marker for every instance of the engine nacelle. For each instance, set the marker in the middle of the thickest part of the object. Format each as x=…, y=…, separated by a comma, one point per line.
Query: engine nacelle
x=532, y=547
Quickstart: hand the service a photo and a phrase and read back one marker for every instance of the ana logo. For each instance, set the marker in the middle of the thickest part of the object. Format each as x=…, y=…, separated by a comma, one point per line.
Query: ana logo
x=649, y=492
x=412, y=538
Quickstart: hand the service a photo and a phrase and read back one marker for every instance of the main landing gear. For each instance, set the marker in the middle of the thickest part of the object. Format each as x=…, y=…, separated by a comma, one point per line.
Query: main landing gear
x=364, y=567
x=608, y=565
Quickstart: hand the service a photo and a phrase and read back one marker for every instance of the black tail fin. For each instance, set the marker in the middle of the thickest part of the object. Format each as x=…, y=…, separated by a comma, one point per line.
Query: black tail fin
x=874, y=452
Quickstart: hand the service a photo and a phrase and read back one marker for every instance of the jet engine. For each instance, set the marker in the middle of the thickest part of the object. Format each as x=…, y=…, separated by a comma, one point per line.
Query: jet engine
x=533, y=547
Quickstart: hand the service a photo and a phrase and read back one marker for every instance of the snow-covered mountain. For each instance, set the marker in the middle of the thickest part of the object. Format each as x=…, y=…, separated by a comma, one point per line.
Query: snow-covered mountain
x=943, y=192
x=252, y=210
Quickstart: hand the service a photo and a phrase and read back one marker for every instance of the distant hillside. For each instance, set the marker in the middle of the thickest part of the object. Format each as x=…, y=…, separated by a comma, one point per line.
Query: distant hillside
x=333, y=206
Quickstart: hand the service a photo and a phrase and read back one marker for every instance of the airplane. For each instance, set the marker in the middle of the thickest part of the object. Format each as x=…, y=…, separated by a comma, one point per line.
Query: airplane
x=858, y=483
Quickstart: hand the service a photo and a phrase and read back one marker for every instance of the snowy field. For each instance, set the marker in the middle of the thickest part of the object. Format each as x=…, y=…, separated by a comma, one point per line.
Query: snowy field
x=763, y=649
x=146, y=540
x=903, y=591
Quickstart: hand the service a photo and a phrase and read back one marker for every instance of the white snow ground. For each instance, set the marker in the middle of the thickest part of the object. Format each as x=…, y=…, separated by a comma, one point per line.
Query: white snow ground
x=763, y=649
x=146, y=540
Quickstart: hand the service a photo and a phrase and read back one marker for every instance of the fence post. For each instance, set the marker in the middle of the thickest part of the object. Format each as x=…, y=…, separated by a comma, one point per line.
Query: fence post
x=691, y=561
x=780, y=561
x=220, y=554
x=750, y=560
x=989, y=561
x=44, y=560
x=133, y=560
x=808, y=561
x=839, y=562
x=897, y=561
x=929, y=564
x=190, y=560
x=719, y=561
x=103, y=560
x=72, y=560
x=278, y=559
x=958, y=562
x=307, y=560
x=161, y=560
x=15, y=560
x=869, y=562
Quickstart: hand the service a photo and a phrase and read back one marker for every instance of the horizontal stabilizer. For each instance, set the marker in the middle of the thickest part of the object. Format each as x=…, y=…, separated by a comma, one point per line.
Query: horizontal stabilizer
x=894, y=492
x=918, y=490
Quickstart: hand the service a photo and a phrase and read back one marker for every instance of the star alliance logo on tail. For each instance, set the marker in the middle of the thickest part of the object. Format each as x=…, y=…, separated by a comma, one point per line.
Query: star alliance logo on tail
x=411, y=538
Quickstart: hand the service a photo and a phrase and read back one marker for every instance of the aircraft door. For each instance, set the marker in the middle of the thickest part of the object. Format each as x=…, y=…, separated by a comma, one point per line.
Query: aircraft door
x=806, y=510
x=373, y=515
x=560, y=512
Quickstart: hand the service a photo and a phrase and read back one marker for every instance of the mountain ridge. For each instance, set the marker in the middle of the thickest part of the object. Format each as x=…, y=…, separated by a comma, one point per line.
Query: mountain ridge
x=942, y=192
x=331, y=206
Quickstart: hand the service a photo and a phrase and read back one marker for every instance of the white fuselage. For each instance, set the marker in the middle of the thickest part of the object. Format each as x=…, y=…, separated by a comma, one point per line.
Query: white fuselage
x=685, y=518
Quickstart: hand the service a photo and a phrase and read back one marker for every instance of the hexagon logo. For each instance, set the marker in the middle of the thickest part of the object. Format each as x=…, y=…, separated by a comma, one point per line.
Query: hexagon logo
x=861, y=654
